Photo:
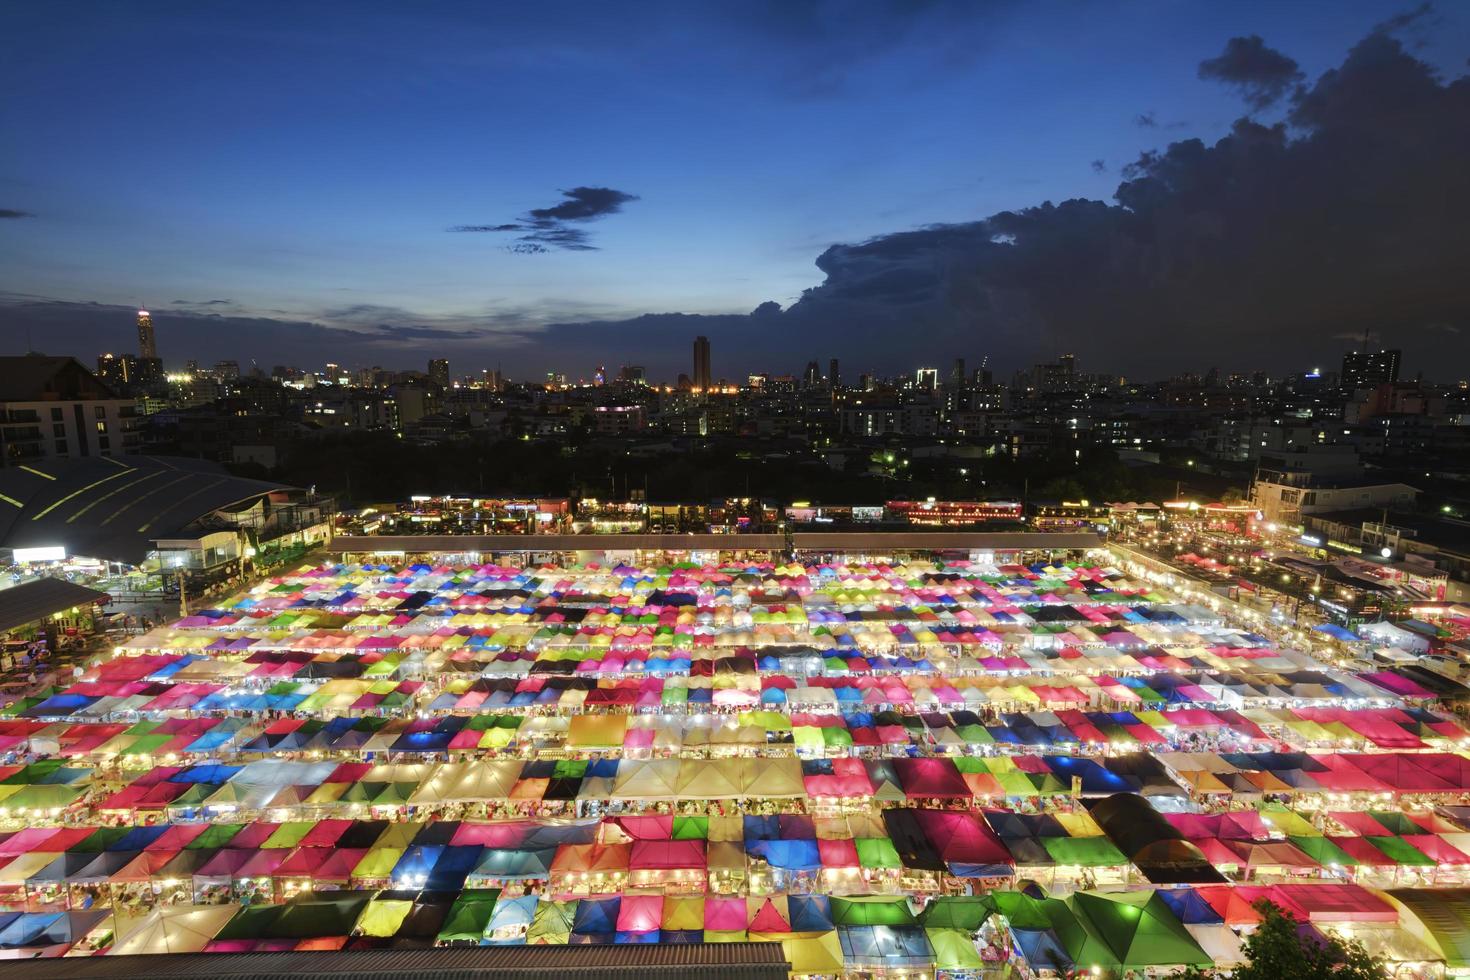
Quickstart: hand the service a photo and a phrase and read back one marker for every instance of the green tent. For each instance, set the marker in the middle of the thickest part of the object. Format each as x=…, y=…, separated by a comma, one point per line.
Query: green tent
x=1395, y=822
x=1079, y=938
x=99, y=840
x=1021, y=910
x=469, y=915
x=1086, y=852
x=216, y=836
x=252, y=922
x=691, y=828
x=195, y=795
x=954, y=949
x=289, y=834
x=1324, y=852
x=964, y=912
x=383, y=917
x=877, y=852
x=42, y=797
x=318, y=917
x=872, y=910
x=1401, y=851
x=1140, y=928
x=552, y=922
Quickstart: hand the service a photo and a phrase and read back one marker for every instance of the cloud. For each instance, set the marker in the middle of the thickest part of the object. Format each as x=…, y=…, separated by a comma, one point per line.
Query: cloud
x=1260, y=74
x=1423, y=15
x=1150, y=120
x=551, y=229
x=1250, y=252
x=203, y=302
x=13, y=213
x=1260, y=250
x=1099, y=167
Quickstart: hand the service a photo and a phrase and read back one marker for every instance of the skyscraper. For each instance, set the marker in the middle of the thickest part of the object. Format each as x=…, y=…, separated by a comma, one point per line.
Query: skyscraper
x=813, y=375
x=1365, y=368
x=701, y=363
x=833, y=377
x=439, y=371
x=147, y=345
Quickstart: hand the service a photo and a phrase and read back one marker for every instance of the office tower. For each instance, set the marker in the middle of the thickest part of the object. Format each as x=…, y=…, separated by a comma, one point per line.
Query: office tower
x=957, y=373
x=1365, y=369
x=834, y=378
x=813, y=375
x=147, y=345
x=633, y=374
x=117, y=371
x=701, y=363
x=927, y=378
x=439, y=371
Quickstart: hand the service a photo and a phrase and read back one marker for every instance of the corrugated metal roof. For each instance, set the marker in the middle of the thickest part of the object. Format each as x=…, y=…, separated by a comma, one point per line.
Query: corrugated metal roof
x=944, y=540
x=803, y=541
x=114, y=507
x=557, y=542
x=718, y=961
x=26, y=603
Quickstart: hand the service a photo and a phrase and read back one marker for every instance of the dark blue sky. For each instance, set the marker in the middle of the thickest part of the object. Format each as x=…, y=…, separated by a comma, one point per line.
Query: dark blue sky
x=269, y=175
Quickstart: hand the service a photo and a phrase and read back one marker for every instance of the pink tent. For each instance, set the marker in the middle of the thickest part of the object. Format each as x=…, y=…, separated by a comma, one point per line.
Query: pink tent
x=724, y=914
x=667, y=855
x=1334, y=902
x=640, y=913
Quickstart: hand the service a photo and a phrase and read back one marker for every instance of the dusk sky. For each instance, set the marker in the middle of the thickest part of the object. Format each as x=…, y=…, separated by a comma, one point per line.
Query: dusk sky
x=522, y=185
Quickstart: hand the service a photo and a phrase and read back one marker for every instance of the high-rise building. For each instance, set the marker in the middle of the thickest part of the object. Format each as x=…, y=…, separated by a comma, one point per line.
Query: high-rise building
x=147, y=344
x=834, y=378
x=633, y=374
x=117, y=371
x=957, y=373
x=1365, y=368
x=701, y=363
x=439, y=371
x=813, y=375
x=927, y=378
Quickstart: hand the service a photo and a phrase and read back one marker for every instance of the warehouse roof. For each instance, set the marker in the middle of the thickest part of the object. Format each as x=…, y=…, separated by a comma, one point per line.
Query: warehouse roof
x=114, y=507
x=632, y=961
x=21, y=604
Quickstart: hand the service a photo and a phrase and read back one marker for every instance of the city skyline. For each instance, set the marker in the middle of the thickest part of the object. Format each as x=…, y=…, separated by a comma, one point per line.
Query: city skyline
x=294, y=262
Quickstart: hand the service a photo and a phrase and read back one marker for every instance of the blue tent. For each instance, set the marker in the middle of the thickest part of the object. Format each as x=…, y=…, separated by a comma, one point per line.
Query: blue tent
x=1189, y=906
x=810, y=913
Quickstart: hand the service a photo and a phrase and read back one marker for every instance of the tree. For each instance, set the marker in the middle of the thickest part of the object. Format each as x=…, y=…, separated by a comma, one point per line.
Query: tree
x=1279, y=949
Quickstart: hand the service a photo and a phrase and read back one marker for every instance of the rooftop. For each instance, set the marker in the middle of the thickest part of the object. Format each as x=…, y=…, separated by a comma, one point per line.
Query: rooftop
x=716, y=961
x=114, y=507
x=21, y=604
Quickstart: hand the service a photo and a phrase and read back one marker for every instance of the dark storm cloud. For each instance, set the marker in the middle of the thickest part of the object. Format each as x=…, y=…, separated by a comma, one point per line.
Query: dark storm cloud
x=1260, y=74
x=550, y=229
x=1421, y=16
x=13, y=213
x=1256, y=250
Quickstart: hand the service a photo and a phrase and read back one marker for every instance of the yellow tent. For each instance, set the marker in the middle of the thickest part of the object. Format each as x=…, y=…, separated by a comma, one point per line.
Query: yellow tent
x=175, y=929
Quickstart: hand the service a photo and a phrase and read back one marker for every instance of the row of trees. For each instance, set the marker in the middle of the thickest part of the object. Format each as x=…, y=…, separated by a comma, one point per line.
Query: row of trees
x=370, y=467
